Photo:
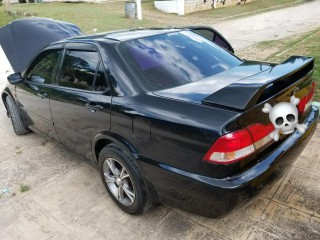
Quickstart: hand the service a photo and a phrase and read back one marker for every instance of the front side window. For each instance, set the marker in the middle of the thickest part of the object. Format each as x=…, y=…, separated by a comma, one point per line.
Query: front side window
x=174, y=59
x=44, y=67
x=79, y=69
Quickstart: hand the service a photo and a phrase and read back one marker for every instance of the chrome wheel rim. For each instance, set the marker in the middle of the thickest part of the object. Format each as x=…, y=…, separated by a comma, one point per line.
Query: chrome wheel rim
x=119, y=181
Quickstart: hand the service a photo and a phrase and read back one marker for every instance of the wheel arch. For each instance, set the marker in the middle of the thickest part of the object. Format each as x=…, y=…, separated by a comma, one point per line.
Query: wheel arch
x=103, y=139
x=106, y=138
x=4, y=95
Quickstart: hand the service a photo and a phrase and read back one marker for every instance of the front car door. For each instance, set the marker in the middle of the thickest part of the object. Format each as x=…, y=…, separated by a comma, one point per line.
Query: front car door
x=34, y=92
x=81, y=102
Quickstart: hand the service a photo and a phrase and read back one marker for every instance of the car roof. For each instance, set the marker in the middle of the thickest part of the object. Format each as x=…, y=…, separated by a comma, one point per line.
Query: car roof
x=125, y=35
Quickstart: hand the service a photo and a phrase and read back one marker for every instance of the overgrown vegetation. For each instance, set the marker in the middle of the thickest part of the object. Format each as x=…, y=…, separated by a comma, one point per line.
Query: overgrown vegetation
x=24, y=187
x=5, y=18
x=279, y=50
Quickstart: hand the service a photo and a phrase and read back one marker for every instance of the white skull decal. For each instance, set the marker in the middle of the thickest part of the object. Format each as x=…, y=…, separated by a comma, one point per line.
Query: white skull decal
x=284, y=117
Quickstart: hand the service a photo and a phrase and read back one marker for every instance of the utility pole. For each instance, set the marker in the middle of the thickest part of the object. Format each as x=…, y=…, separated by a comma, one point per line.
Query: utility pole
x=139, y=10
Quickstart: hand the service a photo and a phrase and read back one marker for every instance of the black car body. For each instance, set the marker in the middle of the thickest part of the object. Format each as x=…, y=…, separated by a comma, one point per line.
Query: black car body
x=169, y=128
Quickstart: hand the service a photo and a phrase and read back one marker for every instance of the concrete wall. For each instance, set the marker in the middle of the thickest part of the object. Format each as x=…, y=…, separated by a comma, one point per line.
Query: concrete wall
x=189, y=6
x=199, y=5
x=167, y=6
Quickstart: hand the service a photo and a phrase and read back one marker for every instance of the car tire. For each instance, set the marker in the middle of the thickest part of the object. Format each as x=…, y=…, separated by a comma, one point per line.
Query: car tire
x=17, y=123
x=122, y=179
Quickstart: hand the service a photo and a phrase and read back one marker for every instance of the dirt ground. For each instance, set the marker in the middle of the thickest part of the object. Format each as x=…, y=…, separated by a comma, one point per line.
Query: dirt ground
x=67, y=199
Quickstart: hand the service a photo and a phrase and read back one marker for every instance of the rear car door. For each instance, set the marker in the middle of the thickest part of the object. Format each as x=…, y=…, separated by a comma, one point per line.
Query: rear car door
x=81, y=101
x=212, y=35
x=34, y=92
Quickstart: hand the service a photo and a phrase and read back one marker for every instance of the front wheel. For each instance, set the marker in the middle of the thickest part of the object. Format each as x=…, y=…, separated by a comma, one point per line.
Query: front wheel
x=122, y=179
x=17, y=123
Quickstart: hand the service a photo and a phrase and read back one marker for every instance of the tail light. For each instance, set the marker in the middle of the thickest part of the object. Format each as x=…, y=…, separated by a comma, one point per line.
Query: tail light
x=235, y=146
x=307, y=100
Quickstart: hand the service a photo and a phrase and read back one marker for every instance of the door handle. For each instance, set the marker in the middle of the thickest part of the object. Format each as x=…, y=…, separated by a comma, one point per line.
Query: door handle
x=94, y=108
x=42, y=95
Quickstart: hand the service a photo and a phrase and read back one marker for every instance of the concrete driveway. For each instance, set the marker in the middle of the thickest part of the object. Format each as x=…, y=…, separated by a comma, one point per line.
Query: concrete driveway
x=67, y=199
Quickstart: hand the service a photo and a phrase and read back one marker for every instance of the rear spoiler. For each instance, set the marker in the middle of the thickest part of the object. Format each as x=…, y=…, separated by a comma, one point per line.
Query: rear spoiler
x=247, y=92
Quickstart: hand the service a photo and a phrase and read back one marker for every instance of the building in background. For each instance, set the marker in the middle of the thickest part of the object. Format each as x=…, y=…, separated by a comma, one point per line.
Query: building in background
x=182, y=7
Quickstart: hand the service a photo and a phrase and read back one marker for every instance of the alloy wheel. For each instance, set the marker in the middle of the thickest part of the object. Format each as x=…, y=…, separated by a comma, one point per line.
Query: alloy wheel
x=119, y=181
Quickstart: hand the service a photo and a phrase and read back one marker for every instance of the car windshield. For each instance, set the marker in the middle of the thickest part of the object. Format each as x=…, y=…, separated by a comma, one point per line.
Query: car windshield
x=174, y=59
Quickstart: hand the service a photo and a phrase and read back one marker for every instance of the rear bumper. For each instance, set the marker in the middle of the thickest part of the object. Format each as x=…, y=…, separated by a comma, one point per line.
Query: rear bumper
x=212, y=197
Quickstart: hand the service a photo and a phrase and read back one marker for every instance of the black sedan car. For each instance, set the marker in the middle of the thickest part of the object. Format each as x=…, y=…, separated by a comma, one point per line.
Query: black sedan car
x=166, y=115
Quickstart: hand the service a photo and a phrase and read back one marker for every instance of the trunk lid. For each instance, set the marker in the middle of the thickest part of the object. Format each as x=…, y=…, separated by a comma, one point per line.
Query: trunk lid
x=293, y=77
x=248, y=85
x=248, y=96
x=293, y=74
x=196, y=92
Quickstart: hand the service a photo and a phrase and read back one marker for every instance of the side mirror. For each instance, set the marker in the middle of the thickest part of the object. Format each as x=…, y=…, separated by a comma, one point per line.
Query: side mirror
x=15, y=78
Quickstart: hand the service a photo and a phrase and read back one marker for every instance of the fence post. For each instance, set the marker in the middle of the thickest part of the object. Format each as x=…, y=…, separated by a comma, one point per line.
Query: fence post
x=139, y=10
x=180, y=6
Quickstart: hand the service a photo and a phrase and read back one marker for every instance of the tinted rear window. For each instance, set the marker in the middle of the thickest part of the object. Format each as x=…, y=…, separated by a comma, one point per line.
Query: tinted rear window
x=174, y=59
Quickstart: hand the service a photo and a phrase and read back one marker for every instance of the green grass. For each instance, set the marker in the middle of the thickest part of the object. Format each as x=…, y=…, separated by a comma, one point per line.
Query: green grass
x=110, y=16
x=24, y=187
x=279, y=50
x=86, y=15
x=5, y=18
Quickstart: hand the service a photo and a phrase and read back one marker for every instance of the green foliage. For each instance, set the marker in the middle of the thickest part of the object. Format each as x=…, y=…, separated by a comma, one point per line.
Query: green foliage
x=24, y=187
x=6, y=18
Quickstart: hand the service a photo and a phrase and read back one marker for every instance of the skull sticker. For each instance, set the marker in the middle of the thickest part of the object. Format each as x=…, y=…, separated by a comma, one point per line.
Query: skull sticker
x=284, y=117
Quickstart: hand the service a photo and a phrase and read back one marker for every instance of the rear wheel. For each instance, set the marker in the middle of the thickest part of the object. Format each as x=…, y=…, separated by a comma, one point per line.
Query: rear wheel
x=17, y=123
x=122, y=179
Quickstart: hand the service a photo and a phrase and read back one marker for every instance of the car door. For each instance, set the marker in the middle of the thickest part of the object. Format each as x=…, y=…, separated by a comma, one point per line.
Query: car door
x=34, y=92
x=81, y=100
x=212, y=35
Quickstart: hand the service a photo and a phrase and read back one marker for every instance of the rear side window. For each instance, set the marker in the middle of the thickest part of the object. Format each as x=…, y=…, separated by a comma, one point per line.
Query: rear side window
x=44, y=67
x=174, y=59
x=82, y=70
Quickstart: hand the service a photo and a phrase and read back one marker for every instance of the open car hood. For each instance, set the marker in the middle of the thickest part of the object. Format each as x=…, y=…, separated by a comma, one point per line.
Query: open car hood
x=22, y=39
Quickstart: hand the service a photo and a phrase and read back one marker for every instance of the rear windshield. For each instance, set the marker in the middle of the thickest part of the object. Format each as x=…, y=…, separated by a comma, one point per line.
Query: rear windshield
x=174, y=59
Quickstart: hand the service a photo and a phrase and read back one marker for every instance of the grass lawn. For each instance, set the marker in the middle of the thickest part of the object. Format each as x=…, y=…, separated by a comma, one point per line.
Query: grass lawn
x=5, y=18
x=110, y=16
x=279, y=50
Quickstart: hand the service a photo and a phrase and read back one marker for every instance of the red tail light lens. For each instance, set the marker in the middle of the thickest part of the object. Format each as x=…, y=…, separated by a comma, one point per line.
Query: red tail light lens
x=307, y=100
x=235, y=146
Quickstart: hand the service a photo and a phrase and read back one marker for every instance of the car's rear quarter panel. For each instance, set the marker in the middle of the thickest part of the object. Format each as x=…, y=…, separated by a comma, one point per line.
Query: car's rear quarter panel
x=180, y=133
